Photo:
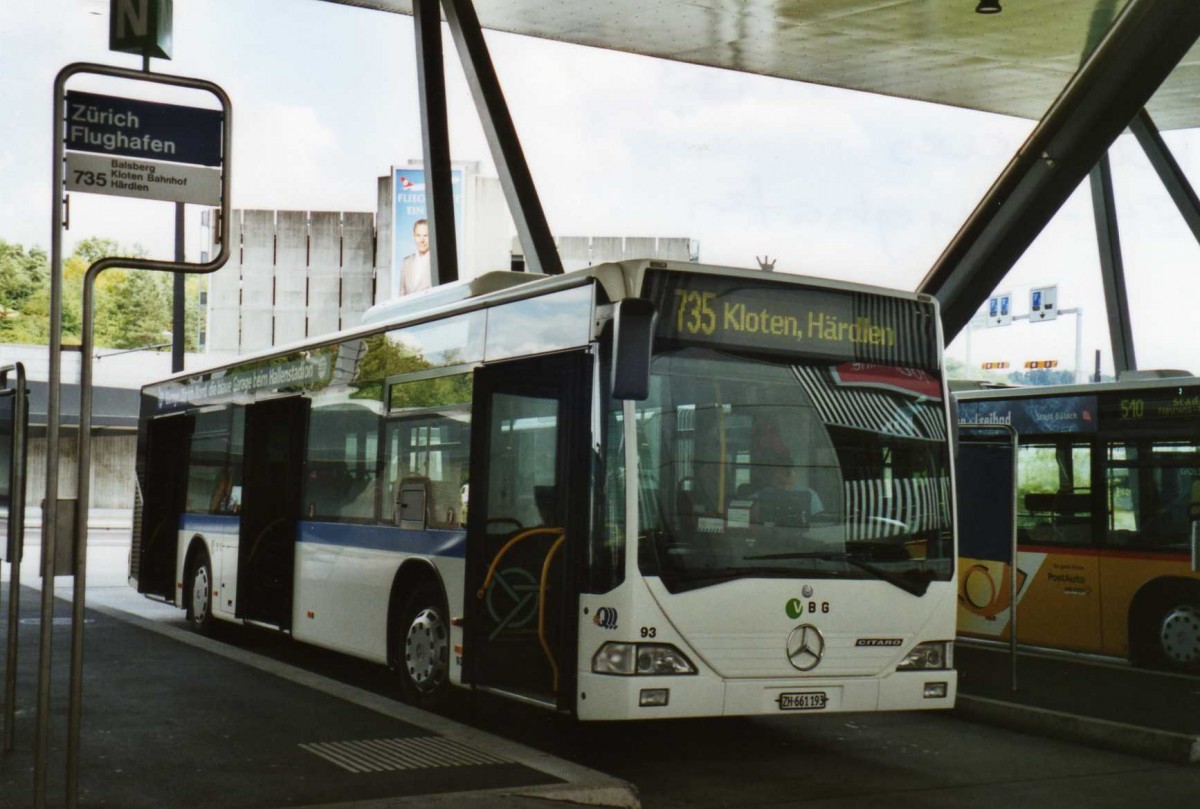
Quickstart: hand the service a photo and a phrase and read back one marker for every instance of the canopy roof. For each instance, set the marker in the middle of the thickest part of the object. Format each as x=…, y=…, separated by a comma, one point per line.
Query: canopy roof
x=1014, y=63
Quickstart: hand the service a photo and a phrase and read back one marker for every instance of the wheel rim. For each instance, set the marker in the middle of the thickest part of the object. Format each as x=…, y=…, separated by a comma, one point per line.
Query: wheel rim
x=200, y=591
x=425, y=650
x=1180, y=634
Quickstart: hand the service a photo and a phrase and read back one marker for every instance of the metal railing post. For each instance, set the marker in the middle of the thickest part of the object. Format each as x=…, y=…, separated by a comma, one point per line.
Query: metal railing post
x=16, y=537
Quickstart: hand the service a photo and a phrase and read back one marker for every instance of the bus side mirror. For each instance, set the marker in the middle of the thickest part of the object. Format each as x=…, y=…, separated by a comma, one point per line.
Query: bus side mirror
x=633, y=336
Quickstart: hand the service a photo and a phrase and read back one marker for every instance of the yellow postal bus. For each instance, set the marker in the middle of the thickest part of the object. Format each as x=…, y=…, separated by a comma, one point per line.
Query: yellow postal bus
x=1108, y=521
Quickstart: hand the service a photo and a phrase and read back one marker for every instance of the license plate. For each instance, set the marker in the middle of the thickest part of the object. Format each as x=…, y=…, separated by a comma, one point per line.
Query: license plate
x=803, y=701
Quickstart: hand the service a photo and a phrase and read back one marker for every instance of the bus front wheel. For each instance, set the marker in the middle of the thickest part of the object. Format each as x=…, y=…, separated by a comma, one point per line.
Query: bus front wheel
x=423, y=648
x=200, y=600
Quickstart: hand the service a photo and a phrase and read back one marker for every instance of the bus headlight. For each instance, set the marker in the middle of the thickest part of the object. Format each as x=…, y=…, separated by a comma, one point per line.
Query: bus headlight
x=628, y=659
x=938, y=654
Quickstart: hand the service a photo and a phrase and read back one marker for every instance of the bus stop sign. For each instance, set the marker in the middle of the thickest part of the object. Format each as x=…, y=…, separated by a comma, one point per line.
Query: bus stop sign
x=140, y=26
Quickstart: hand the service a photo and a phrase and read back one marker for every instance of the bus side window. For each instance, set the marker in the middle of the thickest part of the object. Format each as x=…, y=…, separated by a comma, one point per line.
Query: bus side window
x=215, y=462
x=343, y=442
x=1054, y=494
x=1150, y=496
x=427, y=447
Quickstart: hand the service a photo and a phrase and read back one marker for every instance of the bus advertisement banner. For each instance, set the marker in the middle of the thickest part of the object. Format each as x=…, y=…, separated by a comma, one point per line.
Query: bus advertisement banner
x=1058, y=414
x=985, y=593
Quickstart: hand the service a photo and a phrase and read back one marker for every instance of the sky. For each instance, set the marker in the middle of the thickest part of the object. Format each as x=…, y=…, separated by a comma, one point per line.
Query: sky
x=826, y=182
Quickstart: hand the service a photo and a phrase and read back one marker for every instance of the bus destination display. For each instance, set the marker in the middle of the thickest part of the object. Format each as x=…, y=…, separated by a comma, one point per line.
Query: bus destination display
x=1151, y=408
x=776, y=317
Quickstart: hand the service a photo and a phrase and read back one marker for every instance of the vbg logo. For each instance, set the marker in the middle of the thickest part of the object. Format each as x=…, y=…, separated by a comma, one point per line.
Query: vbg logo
x=794, y=608
x=606, y=618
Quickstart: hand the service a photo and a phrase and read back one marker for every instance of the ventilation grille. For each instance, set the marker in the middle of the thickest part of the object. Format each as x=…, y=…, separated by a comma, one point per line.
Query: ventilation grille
x=389, y=755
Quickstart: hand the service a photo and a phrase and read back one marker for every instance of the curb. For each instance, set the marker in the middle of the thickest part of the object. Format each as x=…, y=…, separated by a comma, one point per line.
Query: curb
x=1177, y=748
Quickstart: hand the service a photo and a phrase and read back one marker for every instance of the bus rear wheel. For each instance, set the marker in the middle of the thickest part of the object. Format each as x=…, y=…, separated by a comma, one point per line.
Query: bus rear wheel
x=200, y=600
x=423, y=648
x=1179, y=636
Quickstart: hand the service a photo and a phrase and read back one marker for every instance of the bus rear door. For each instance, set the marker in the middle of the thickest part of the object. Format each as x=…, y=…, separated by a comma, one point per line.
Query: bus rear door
x=164, y=480
x=528, y=509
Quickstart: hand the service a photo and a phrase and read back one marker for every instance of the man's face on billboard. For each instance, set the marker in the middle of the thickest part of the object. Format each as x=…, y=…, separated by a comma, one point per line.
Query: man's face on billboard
x=421, y=237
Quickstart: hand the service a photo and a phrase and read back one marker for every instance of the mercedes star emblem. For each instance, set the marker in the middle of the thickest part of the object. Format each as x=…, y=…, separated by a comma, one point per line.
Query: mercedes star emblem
x=805, y=646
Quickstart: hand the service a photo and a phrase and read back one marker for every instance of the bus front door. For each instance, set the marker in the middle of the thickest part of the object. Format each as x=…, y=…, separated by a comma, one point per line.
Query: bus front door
x=272, y=479
x=527, y=518
x=164, y=489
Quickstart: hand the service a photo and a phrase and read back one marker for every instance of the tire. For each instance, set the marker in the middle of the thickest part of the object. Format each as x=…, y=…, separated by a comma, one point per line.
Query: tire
x=1178, y=636
x=423, y=648
x=200, y=597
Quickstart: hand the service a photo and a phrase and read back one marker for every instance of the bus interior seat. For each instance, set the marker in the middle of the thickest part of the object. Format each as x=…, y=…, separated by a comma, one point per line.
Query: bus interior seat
x=413, y=502
x=1059, y=518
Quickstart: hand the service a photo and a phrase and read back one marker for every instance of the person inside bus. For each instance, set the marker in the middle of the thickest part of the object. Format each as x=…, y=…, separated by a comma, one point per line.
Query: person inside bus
x=782, y=502
x=778, y=498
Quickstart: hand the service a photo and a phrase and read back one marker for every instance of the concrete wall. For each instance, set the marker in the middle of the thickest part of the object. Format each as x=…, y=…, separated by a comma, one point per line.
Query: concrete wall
x=112, y=476
x=292, y=275
x=579, y=252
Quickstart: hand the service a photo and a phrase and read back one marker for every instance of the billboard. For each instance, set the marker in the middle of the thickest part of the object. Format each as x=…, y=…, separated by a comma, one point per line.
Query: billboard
x=411, y=270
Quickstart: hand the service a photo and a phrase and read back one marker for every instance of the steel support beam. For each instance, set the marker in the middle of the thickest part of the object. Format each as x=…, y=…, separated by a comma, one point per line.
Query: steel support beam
x=540, y=253
x=1169, y=172
x=1143, y=46
x=1112, y=267
x=435, y=137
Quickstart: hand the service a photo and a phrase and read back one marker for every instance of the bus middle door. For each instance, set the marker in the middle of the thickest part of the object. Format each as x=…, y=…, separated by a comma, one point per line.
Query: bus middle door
x=528, y=514
x=272, y=480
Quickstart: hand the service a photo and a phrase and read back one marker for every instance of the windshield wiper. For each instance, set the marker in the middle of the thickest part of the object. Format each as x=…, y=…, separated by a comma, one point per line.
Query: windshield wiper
x=912, y=581
x=694, y=579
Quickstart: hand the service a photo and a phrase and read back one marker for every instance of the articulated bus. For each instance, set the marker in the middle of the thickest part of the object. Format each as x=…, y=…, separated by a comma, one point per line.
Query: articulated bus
x=640, y=490
x=1108, y=521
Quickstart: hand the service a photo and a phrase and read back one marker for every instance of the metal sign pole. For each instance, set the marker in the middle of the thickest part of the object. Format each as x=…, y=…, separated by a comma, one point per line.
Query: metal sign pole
x=74, y=711
x=1012, y=568
x=16, y=543
x=53, y=420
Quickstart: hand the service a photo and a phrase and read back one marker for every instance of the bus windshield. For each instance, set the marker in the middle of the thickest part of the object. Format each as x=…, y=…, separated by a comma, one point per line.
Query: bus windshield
x=765, y=467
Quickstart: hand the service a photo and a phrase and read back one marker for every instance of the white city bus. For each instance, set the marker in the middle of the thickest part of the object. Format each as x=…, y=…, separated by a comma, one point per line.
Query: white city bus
x=642, y=490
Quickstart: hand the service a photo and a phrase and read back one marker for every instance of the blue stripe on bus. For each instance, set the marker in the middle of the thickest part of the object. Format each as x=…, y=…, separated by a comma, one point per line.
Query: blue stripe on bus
x=346, y=535
x=385, y=538
x=209, y=523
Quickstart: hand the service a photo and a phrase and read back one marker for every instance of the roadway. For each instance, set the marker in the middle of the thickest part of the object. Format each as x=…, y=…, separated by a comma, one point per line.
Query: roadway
x=916, y=759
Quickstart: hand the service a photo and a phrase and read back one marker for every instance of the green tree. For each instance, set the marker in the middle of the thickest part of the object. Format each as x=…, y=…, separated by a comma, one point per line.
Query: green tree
x=94, y=248
x=133, y=307
x=22, y=276
x=134, y=310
